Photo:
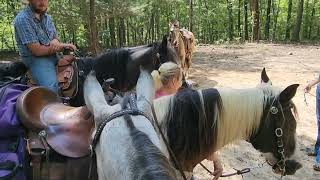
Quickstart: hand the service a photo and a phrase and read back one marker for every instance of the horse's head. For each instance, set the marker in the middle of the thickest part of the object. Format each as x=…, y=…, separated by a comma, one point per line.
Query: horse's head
x=166, y=53
x=275, y=137
x=174, y=35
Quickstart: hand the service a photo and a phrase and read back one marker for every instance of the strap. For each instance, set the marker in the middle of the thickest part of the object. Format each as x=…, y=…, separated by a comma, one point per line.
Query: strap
x=9, y=166
x=133, y=112
x=36, y=167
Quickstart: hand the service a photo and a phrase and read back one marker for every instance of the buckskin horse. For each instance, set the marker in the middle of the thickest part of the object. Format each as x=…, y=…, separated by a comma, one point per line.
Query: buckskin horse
x=122, y=64
x=126, y=144
x=184, y=43
x=200, y=122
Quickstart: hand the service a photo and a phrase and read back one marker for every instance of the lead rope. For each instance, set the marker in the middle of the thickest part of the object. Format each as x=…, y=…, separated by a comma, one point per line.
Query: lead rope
x=174, y=159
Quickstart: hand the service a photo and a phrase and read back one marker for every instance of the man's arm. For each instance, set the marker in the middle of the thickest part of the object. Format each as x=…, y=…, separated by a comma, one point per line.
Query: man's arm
x=29, y=37
x=41, y=50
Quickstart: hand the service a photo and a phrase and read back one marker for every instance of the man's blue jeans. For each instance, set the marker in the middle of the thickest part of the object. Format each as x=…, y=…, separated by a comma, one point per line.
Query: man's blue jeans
x=43, y=71
x=317, y=146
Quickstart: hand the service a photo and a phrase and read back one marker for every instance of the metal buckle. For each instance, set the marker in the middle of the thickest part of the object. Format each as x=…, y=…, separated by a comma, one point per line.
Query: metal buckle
x=278, y=132
x=43, y=133
x=274, y=110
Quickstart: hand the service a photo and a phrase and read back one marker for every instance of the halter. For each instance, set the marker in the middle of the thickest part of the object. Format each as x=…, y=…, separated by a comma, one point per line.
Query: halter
x=274, y=111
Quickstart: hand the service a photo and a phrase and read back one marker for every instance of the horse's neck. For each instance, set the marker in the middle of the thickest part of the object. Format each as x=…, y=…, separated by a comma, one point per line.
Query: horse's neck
x=181, y=42
x=240, y=114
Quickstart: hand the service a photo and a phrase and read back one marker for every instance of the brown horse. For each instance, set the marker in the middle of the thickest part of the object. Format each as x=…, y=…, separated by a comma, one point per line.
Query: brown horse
x=184, y=43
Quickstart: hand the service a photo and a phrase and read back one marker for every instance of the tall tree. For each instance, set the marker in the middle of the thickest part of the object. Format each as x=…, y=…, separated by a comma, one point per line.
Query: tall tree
x=288, y=27
x=122, y=32
x=312, y=19
x=112, y=32
x=255, y=20
x=296, y=32
x=230, y=20
x=93, y=29
x=191, y=15
x=239, y=18
x=275, y=21
x=245, y=20
x=267, y=27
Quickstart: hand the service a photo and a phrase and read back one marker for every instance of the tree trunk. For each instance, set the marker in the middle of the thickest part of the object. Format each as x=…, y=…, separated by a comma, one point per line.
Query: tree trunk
x=267, y=28
x=112, y=32
x=128, y=32
x=239, y=18
x=245, y=20
x=230, y=20
x=296, y=32
x=191, y=15
x=275, y=23
x=306, y=21
x=93, y=29
x=312, y=19
x=122, y=32
x=255, y=20
x=288, y=27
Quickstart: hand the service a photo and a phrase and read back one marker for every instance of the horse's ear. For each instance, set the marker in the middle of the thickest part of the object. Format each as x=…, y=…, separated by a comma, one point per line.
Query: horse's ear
x=287, y=94
x=264, y=77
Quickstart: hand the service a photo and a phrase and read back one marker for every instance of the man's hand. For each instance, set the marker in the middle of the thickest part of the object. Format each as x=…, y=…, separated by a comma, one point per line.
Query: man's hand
x=70, y=46
x=307, y=88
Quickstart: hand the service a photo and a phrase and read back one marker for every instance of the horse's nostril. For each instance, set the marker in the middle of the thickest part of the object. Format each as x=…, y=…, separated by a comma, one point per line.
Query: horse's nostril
x=292, y=166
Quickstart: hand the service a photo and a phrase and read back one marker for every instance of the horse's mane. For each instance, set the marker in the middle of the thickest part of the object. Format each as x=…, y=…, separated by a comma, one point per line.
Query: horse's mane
x=150, y=163
x=112, y=64
x=191, y=119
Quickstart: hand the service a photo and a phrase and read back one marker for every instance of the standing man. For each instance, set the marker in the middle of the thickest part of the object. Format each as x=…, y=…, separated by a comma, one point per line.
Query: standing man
x=38, y=42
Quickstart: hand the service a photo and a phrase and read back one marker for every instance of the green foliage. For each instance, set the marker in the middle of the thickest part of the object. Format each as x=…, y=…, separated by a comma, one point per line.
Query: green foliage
x=147, y=20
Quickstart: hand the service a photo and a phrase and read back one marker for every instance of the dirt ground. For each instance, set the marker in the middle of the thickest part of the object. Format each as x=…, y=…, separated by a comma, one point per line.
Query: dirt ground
x=239, y=66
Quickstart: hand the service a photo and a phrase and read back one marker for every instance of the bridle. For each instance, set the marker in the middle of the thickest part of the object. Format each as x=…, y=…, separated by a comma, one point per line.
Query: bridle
x=276, y=111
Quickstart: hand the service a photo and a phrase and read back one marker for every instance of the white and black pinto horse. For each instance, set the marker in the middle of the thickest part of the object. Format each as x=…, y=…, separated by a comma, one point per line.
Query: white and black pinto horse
x=200, y=122
x=129, y=147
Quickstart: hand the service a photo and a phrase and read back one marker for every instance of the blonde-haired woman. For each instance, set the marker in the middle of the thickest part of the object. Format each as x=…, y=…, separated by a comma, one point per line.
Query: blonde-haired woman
x=168, y=79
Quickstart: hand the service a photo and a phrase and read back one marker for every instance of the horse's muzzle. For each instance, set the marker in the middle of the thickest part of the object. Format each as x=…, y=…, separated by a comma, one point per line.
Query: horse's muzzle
x=291, y=166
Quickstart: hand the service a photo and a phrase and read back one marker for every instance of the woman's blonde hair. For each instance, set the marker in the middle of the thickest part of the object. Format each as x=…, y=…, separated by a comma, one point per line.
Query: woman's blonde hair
x=167, y=71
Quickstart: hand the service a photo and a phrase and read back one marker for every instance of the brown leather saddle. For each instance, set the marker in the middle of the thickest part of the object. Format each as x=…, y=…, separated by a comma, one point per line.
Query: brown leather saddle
x=67, y=75
x=67, y=129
